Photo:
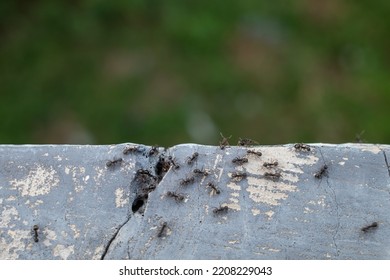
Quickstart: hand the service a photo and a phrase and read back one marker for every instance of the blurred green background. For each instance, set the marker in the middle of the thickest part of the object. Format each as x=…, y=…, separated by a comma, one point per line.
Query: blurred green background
x=178, y=71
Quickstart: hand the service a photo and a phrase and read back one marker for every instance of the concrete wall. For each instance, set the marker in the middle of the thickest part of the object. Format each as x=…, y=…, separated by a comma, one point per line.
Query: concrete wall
x=131, y=201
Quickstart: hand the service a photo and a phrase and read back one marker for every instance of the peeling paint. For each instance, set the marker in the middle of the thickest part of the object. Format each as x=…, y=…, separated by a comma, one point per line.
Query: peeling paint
x=39, y=181
x=120, y=199
x=9, y=250
x=8, y=214
x=75, y=231
x=63, y=252
x=255, y=212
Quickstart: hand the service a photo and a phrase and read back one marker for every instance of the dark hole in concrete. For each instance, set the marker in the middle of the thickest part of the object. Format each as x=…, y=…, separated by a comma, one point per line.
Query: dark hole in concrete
x=138, y=202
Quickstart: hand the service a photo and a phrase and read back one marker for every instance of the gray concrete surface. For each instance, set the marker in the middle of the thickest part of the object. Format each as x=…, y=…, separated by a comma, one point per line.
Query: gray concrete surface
x=130, y=201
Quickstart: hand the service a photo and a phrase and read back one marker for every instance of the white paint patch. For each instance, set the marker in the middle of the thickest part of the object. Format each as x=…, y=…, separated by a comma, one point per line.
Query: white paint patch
x=268, y=192
x=99, y=175
x=370, y=148
x=7, y=215
x=290, y=165
x=75, y=231
x=255, y=212
x=50, y=236
x=120, y=200
x=63, y=252
x=234, y=186
x=269, y=213
x=77, y=173
x=9, y=250
x=39, y=181
x=59, y=158
x=10, y=198
x=98, y=253
x=341, y=163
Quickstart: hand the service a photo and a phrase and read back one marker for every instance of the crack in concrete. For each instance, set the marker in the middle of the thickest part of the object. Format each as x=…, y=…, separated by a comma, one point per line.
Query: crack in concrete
x=107, y=247
x=387, y=163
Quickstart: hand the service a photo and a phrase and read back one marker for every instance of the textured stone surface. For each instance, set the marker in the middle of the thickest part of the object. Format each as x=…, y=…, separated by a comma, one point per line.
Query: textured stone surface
x=131, y=201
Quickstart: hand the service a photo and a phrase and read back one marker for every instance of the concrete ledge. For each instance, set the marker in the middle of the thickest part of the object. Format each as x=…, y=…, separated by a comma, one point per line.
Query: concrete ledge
x=131, y=201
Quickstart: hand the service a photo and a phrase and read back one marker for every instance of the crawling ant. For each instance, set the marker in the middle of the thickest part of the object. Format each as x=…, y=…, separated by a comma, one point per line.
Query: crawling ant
x=224, y=142
x=173, y=163
x=272, y=176
x=192, y=158
x=175, y=196
x=162, y=229
x=130, y=149
x=239, y=175
x=254, y=153
x=239, y=160
x=153, y=150
x=302, y=147
x=221, y=209
x=246, y=142
x=144, y=172
x=373, y=226
x=187, y=181
x=270, y=164
x=35, y=229
x=114, y=162
x=323, y=171
x=214, y=188
x=200, y=172
x=358, y=137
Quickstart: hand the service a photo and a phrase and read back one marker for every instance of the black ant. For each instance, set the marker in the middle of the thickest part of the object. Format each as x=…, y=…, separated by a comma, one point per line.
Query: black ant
x=374, y=225
x=187, y=181
x=239, y=160
x=114, y=162
x=221, y=209
x=239, y=175
x=35, y=229
x=144, y=172
x=224, y=142
x=322, y=172
x=192, y=158
x=246, y=142
x=153, y=150
x=130, y=149
x=162, y=230
x=272, y=176
x=254, y=153
x=200, y=172
x=176, y=196
x=214, y=188
x=302, y=147
x=270, y=164
x=173, y=163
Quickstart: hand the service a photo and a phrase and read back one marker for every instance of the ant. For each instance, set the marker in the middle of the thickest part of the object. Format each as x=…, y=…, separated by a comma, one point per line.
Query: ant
x=270, y=164
x=323, y=171
x=214, y=188
x=239, y=175
x=302, y=147
x=173, y=163
x=153, y=150
x=200, y=172
x=35, y=229
x=187, y=181
x=192, y=158
x=114, y=162
x=272, y=176
x=162, y=229
x=130, y=149
x=175, y=196
x=224, y=142
x=254, y=153
x=221, y=209
x=246, y=142
x=374, y=225
x=239, y=160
